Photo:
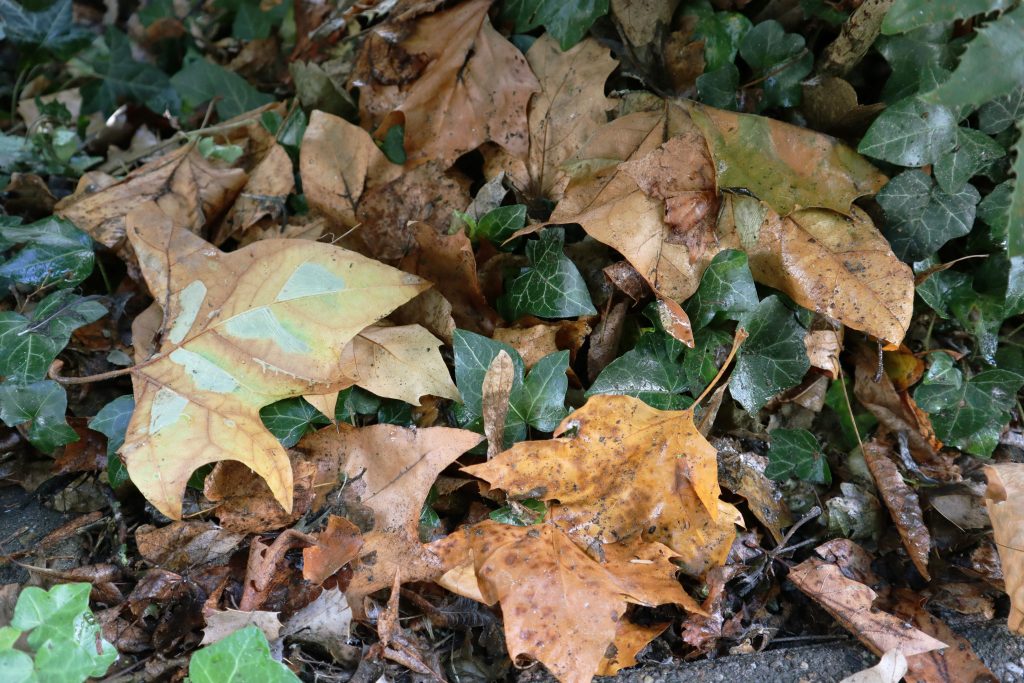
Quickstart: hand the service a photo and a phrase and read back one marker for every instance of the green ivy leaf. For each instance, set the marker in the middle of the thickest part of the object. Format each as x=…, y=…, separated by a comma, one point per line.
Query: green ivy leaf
x=863, y=421
x=17, y=667
x=772, y=358
x=780, y=58
x=44, y=405
x=796, y=453
x=112, y=422
x=355, y=401
x=1015, y=230
x=726, y=288
x=541, y=401
x=209, y=148
x=497, y=225
x=200, y=81
x=120, y=78
x=290, y=419
x=999, y=114
x=393, y=144
x=921, y=217
x=973, y=152
x=992, y=64
x=568, y=22
x=721, y=32
x=51, y=31
x=994, y=211
x=910, y=133
x=700, y=363
x=55, y=251
x=967, y=413
x=907, y=15
x=919, y=60
x=551, y=287
x=242, y=657
x=254, y=23
x=651, y=371
x=718, y=88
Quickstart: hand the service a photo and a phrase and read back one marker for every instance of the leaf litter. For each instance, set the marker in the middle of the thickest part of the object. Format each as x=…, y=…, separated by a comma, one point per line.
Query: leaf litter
x=441, y=385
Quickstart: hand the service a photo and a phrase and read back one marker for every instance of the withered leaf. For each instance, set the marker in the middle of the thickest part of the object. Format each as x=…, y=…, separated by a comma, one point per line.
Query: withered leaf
x=182, y=545
x=262, y=196
x=1004, y=499
x=336, y=546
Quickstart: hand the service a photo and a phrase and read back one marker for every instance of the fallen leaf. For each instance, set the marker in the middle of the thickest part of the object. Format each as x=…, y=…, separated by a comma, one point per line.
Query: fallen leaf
x=604, y=343
x=823, y=349
x=1004, y=499
x=183, y=545
x=890, y=669
x=495, y=393
x=336, y=546
x=262, y=568
x=743, y=473
x=451, y=79
x=966, y=598
x=244, y=502
x=222, y=623
x=903, y=503
x=534, y=341
x=325, y=622
x=388, y=472
x=629, y=470
x=630, y=640
x=560, y=606
x=850, y=602
x=263, y=195
x=184, y=185
x=244, y=330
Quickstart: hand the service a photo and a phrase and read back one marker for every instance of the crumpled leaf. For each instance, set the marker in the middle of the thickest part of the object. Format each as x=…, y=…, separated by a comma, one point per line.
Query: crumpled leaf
x=263, y=195
x=184, y=545
x=1004, y=499
x=336, y=546
x=452, y=79
x=244, y=329
x=325, y=622
x=222, y=623
x=183, y=184
x=629, y=470
x=561, y=607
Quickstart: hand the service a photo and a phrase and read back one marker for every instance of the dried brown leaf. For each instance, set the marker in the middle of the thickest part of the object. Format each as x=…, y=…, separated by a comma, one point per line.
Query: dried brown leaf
x=262, y=196
x=1004, y=499
x=336, y=546
x=222, y=623
x=182, y=545
x=495, y=393
x=903, y=503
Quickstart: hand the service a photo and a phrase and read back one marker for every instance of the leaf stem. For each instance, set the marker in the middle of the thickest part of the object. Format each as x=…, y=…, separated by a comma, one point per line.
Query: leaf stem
x=741, y=336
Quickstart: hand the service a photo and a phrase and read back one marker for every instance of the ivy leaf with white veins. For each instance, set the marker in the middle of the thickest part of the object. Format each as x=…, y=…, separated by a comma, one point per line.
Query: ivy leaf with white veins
x=651, y=371
x=922, y=217
x=772, y=358
x=910, y=133
x=289, y=420
x=55, y=252
x=999, y=114
x=41, y=403
x=551, y=287
x=725, y=287
x=973, y=152
x=796, y=453
x=245, y=329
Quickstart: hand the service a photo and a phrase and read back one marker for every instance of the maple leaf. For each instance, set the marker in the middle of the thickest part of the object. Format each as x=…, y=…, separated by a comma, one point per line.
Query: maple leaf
x=388, y=472
x=629, y=470
x=451, y=78
x=560, y=606
x=243, y=330
x=1004, y=499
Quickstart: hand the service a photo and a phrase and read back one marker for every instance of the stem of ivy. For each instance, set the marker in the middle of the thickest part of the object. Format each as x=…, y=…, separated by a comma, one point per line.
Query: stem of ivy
x=777, y=70
x=103, y=274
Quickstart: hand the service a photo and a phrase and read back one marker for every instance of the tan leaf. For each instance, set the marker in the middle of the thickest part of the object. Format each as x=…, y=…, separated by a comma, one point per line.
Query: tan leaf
x=1004, y=499
x=389, y=472
x=560, y=606
x=903, y=503
x=245, y=504
x=263, y=195
x=453, y=79
x=743, y=473
x=398, y=362
x=325, y=622
x=222, y=623
x=182, y=545
x=534, y=341
x=823, y=349
x=243, y=330
x=629, y=470
x=890, y=669
x=495, y=393
x=850, y=601
x=835, y=265
x=336, y=546
x=184, y=185
x=262, y=566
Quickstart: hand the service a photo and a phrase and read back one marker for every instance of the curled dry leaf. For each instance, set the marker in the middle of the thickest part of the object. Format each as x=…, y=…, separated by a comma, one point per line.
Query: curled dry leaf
x=534, y=341
x=388, y=471
x=850, y=602
x=244, y=502
x=1004, y=499
x=222, y=623
x=495, y=393
x=181, y=545
x=243, y=330
x=629, y=470
x=560, y=606
x=261, y=570
x=569, y=107
x=451, y=78
x=326, y=622
x=263, y=195
x=188, y=188
x=743, y=473
x=903, y=503
x=630, y=640
x=336, y=546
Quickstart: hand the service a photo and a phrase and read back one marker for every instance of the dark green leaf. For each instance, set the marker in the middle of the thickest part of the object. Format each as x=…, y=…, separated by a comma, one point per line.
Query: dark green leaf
x=999, y=114
x=1015, y=230
x=906, y=15
x=29, y=345
x=721, y=32
x=566, y=21
x=919, y=60
x=910, y=133
x=551, y=287
x=863, y=422
x=473, y=355
x=718, y=88
x=994, y=211
x=242, y=657
x=497, y=225
x=726, y=287
x=200, y=81
x=393, y=144
x=992, y=65
x=55, y=252
x=395, y=412
x=780, y=58
x=112, y=422
x=50, y=31
x=252, y=22
x=120, y=78
x=796, y=453
x=967, y=413
x=355, y=401
x=651, y=372
x=920, y=217
x=44, y=405
x=973, y=152
x=938, y=290
x=701, y=363
x=541, y=401
x=290, y=419
x=772, y=358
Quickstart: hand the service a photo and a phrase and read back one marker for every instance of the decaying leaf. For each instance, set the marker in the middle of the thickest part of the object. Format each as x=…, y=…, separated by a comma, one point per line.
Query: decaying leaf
x=495, y=393
x=562, y=607
x=263, y=569
x=222, y=623
x=452, y=79
x=534, y=341
x=629, y=470
x=262, y=196
x=245, y=504
x=630, y=640
x=325, y=622
x=181, y=545
x=903, y=503
x=1004, y=499
x=890, y=669
x=336, y=546
x=743, y=473
x=850, y=601
x=184, y=185
x=243, y=330
x=387, y=471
